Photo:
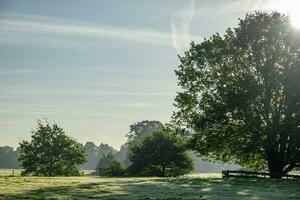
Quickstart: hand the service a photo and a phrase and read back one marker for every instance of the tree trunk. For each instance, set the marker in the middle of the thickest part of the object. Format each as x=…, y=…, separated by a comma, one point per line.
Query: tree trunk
x=275, y=164
x=163, y=171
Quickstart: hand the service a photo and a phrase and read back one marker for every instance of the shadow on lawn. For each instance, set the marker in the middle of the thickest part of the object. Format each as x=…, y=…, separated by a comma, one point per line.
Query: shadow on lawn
x=164, y=189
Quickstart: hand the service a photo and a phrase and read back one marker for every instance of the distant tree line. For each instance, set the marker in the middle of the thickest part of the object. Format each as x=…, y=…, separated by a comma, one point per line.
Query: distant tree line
x=151, y=150
x=93, y=153
x=107, y=161
x=9, y=158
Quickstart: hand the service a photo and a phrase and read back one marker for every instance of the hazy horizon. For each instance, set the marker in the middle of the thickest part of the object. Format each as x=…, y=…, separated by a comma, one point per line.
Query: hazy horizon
x=97, y=67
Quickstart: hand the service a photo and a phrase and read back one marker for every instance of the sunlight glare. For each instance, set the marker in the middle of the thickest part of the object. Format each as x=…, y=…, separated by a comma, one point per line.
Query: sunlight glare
x=289, y=7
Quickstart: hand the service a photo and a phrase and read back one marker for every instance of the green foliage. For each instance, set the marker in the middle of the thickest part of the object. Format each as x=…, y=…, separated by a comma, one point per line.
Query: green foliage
x=114, y=169
x=51, y=152
x=241, y=94
x=104, y=161
x=160, y=154
x=138, y=132
x=122, y=155
x=108, y=166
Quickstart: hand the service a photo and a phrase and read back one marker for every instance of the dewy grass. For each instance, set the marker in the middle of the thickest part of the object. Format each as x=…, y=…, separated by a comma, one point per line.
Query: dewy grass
x=146, y=188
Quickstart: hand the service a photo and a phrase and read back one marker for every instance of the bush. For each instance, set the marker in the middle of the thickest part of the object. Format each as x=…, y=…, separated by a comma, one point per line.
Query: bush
x=114, y=169
x=109, y=166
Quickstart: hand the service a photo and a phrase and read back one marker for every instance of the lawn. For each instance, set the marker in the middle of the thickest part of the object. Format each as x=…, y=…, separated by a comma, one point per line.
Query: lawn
x=88, y=187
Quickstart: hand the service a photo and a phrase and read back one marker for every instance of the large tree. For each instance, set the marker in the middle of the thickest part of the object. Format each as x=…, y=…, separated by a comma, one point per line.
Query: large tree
x=160, y=154
x=240, y=98
x=51, y=152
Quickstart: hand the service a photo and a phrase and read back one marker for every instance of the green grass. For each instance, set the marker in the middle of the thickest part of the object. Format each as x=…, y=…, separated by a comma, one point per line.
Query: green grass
x=17, y=172
x=146, y=188
x=10, y=172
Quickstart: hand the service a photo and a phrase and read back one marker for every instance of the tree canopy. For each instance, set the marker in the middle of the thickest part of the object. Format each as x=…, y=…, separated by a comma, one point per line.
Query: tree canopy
x=51, y=152
x=140, y=130
x=240, y=98
x=160, y=154
x=105, y=160
x=137, y=133
x=108, y=165
x=94, y=152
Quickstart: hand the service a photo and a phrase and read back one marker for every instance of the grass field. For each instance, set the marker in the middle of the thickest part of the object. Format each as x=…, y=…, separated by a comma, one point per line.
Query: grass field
x=10, y=172
x=17, y=172
x=89, y=187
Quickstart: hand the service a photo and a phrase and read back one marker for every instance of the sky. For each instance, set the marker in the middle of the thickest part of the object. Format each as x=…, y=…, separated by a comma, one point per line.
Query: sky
x=95, y=67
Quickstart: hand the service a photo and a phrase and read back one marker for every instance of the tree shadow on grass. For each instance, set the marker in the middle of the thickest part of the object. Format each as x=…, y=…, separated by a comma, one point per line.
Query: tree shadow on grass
x=167, y=189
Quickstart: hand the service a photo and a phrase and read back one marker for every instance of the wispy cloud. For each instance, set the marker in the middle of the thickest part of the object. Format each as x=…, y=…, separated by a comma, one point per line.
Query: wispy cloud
x=137, y=105
x=3, y=111
x=97, y=101
x=44, y=112
x=181, y=20
x=67, y=108
x=20, y=71
x=180, y=27
x=230, y=7
x=44, y=31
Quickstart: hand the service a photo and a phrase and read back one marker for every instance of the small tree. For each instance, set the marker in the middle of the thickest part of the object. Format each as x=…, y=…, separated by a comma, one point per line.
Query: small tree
x=51, y=152
x=104, y=162
x=109, y=166
x=161, y=154
x=114, y=169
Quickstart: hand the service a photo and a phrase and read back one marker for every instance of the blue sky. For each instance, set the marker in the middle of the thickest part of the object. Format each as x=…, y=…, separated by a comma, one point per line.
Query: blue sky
x=96, y=67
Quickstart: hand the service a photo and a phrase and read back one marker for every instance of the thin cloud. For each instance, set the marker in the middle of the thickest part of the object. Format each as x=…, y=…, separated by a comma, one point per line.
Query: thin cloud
x=181, y=21
x=231, y=7
x=21, y=71
x=64, y=113
x=45, y=32
x=119, y=104
x=35, y=91
x=3, y=111
x=180, y=27
x=138, y=105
